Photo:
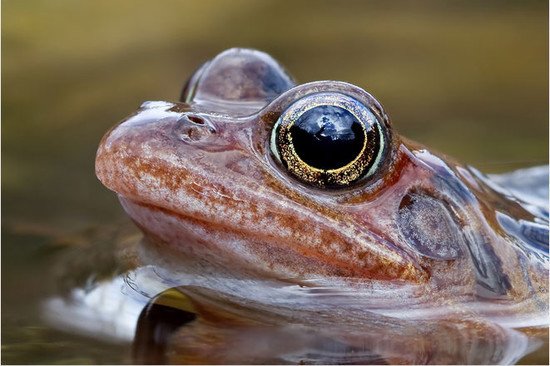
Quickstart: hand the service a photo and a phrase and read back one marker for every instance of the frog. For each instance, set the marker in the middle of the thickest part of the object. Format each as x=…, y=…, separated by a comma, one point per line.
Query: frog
x=257, y=187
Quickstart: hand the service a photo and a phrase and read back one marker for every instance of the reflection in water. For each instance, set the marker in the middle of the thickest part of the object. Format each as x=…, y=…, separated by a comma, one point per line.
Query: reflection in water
x=160, y=318
x=231, y=320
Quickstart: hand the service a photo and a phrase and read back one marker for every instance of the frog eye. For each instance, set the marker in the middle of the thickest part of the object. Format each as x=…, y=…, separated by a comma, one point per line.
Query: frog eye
x=329, y=140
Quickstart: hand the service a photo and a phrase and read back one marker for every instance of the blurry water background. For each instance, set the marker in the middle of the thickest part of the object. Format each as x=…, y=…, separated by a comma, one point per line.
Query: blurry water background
x=467, y=78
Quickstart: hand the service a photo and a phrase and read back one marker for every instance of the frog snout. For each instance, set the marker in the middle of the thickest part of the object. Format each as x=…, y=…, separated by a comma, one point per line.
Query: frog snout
x=195, y=127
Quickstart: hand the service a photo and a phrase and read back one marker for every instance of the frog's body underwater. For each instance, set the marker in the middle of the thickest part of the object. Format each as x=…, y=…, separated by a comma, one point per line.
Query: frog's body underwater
x=301, y=203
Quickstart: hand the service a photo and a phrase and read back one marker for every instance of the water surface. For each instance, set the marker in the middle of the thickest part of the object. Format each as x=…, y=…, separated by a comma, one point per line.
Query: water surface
x=468, y=79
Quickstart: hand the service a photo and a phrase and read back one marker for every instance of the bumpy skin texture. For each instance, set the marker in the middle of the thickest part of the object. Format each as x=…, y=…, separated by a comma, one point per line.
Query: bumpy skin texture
x=198, y=176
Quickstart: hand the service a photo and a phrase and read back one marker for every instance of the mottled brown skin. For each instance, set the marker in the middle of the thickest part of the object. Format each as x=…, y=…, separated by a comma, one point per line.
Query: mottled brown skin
x=419, y=243
x=198, y=176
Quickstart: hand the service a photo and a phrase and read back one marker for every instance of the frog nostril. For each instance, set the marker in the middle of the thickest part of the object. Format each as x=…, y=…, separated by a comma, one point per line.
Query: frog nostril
x=196, y=119
x=195, y=128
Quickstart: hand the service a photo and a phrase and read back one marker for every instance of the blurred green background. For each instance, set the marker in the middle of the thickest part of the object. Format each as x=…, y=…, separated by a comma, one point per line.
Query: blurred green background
x=467, y=78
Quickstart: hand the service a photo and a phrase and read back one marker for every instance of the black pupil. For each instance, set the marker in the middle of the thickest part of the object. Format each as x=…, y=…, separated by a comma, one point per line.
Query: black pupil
x=327, y=137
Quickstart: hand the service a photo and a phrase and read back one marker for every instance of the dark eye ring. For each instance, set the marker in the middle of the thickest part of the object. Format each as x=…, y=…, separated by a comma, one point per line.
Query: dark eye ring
x=329, y=140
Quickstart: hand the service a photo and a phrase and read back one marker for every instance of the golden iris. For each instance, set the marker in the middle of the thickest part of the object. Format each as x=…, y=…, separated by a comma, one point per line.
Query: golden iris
x=328, y=140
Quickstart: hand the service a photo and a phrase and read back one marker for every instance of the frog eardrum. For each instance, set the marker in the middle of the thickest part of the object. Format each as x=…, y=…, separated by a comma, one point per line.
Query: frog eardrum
x=329, y=140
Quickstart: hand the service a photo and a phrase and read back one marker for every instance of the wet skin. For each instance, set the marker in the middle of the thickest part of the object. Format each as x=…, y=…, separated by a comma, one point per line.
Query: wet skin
x=208, y=177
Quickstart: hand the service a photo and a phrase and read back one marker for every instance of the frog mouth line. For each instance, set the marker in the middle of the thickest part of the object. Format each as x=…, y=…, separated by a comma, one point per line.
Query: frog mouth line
x=276, y=254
